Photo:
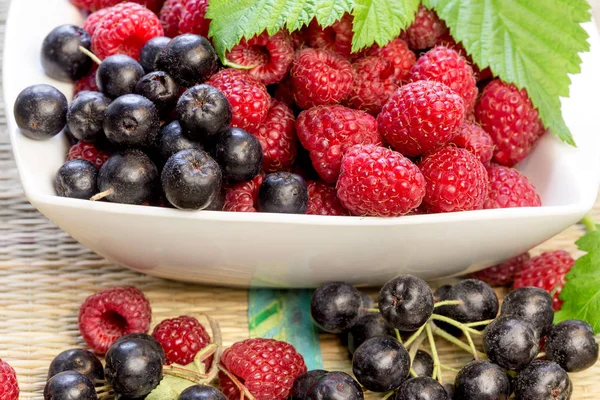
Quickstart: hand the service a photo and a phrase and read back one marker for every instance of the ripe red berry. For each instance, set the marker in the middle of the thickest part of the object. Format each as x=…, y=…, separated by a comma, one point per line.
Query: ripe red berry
x=266, y=367
x=473, y=138
x=193, y=18
x=283, y=92
x=426, y=30
x=509, y=188
x=456, y=180
x=243, y=197
x=9, y=387
x=546, y=271
x=502, y=274
x=94, y=19
x=107, y=315
x=88, y=82
x=510, y=118
x=336, y=38
x=95, y=5
x=376, y=181
x=400, y=55
x=374, y=83
x=89, y=152
x=323, y=200
x=299, y=38
x=320, y=77
x=421, y=117
x=170, y=16
x=327, y=131
x=182, y=338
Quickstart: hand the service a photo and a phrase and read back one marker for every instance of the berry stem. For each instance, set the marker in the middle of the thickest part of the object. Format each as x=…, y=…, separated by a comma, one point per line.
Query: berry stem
x=204, y=354
x=398, y=336
x=371, y=310
x=589, y=223
x=541, y=355
x=185, y=373
x=447, y=368
x=415, y=347
x=457, y=324
x=388, y=395
x=237, y=383
x=414, y=335
x=471, y=344
x=90, y=55
x=447, y=303
x=413, y=373
x=479, y=323
x=436, y=359
x=102, y=195
x=457, y=342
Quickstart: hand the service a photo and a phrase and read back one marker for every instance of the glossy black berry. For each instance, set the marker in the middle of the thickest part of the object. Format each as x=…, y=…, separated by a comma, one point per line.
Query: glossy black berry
x=543, y=380
x=130, y=176
x=422, y=388
x=283, y=192
x=134, y=366
x=481, y=380
x=132, y=121
x=191, y=179
x=239, y=154
x=511, y=343
x=190, y=59
x=304, y=383
x=85, y=117
x=406, y=302
x=76, y=179
x=41, y=111
x=381, y=364
x=571, y=345
x=70, y=385
x=441, y=294
x=335, y=386
x=449, y=387
x=149, y=340
x=367, y=301
x=367, y=326
x=201, y=392
x=530, y=304
x=78, y=360
x=479, y=302
x=118, y=75
x=159, y=88
x=61, y=58
x=423, y=363
x=203, y=112
x=171, y=141
x=150, y=51
x=335, y=306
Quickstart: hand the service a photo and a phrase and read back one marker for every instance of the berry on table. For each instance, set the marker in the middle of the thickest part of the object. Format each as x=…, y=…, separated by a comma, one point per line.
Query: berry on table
x=118, y=75
x=201, y=392
x=159, y=88
x=171, y=140
x=422, y=364
x=335, y=385
x=41, y=111
x=530, y=304
x=501, y=274
x=406, y=302
x=304, y=383
x=367, y=326
x=571, y=344
x=473, y=138
x=283, y=192
x=543, y=380
x=132, y=121
x=88, y=152
x=9, y=387
x=335, y=306
x=181, y=338
x=76, y=179
x=482, y=380
x=381, y=364
x=336, y=38
x=85, y=117
x=78, y=360
x=204, y=112
x=426, y=30
x=510, y=342
x=69, y=385
x=509, y=188
x=323, y=200
x=374, y=83
x=239, y=154
x=478, y=301
x=61, y=57
x=190, y=59
x=422, y=388
x=401, y=57
x=243, y=197
x=150, y=51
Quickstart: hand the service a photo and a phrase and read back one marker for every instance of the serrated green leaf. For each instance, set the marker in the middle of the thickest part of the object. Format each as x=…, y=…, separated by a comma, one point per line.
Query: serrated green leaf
x=534, y=44
x=328, y=11
x=169, y=388
x=380, y=21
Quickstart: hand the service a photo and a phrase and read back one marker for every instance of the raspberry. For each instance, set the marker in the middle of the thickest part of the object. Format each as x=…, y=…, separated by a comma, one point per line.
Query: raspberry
x=508, y=115
x=277, y=136
x=94, y=19
x=448, y=41
x=283, y=92
x=9, y=387
x=373, y=85
x=112, y=313
x=320, y=77
x=181, y=338
x=421, y=117
x=336, y=38
x=124, y=30
x=192, y=18
x=95, y=5
x=323, y=200
x=243, y=197
x=272, y=56
x=170, y=16
x=509, y=188
x=299, y=38
x=546, y=271
x=456, y=180
x=248, y=97
x=89, y=152
x=266, y=367
x=502, y=274
x=473, y=138
x=426, y=30
x=379, y=182
x=400, y=55
x=327, y=131
x=446, y=66
x=88, y=82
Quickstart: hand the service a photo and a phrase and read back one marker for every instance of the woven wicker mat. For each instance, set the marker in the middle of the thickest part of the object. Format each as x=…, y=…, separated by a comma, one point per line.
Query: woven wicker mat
x=45, y=275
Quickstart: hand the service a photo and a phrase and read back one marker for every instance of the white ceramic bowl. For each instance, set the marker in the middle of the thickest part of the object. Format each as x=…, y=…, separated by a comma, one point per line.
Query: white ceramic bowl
x=297, y=250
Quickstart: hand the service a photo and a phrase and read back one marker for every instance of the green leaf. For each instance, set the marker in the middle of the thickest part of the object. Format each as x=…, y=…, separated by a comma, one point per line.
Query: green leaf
x=533, y=44
x=380, y=21
x=169, y=388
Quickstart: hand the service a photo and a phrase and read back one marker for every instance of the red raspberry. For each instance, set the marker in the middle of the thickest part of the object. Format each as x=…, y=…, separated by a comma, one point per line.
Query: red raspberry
x=193, y=18
x=373, y=85
x=473, y=138
x=379, y=182
x=421, y=117
x=271, y=55
x=446, y=66
x=546, y=271
x=243, y=197
x=9, y=387
x=89, y=152
x=299, y=38
x=125, y=30
x=107, y=315
x=336, y=38
x=182, y=338
x=502, y=274
x=170, y=16
x=508, y=115
x=400, y=55
x=320, y=77
x=327, y=131
x=266, y=367
x=88, y=82
x=456, y=180
x=448, y=41
x=95, y=5
x=94, y=19
x=323, y=200
x=283, y=92
x=277, y=136
x=509, y=188
x=426, y=30
x=247, y=95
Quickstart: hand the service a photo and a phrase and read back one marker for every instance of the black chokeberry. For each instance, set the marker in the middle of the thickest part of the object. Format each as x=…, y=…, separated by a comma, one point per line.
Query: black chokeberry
x=304, y=383
x=41, y=111
x=239, y=154
x=150, y=51
x=76, y=179
x=70, y=385
x=423, y=363
x=78, y=360
x=61, y=58
x=335, y=385
x=171, y=141
x=481, y=380
x=543, y=380
x=571, y=345
x=190, y=59
x=441, y=294
x=118, y=75
x=132, y=121
x=511, y=343
x=531, y=304
x=191, y=179
x=335, y=306
x=283, y=192
x=149, y=340
x=201, y=392
x=203, y=112
x=381, y=364
x=478, y=301
x=128, y=177
x=85, y=117
x=406, y=302
x=422, y=388
x=367, y=301
x=367, y=326
x=159, y=88
x=218, y=202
